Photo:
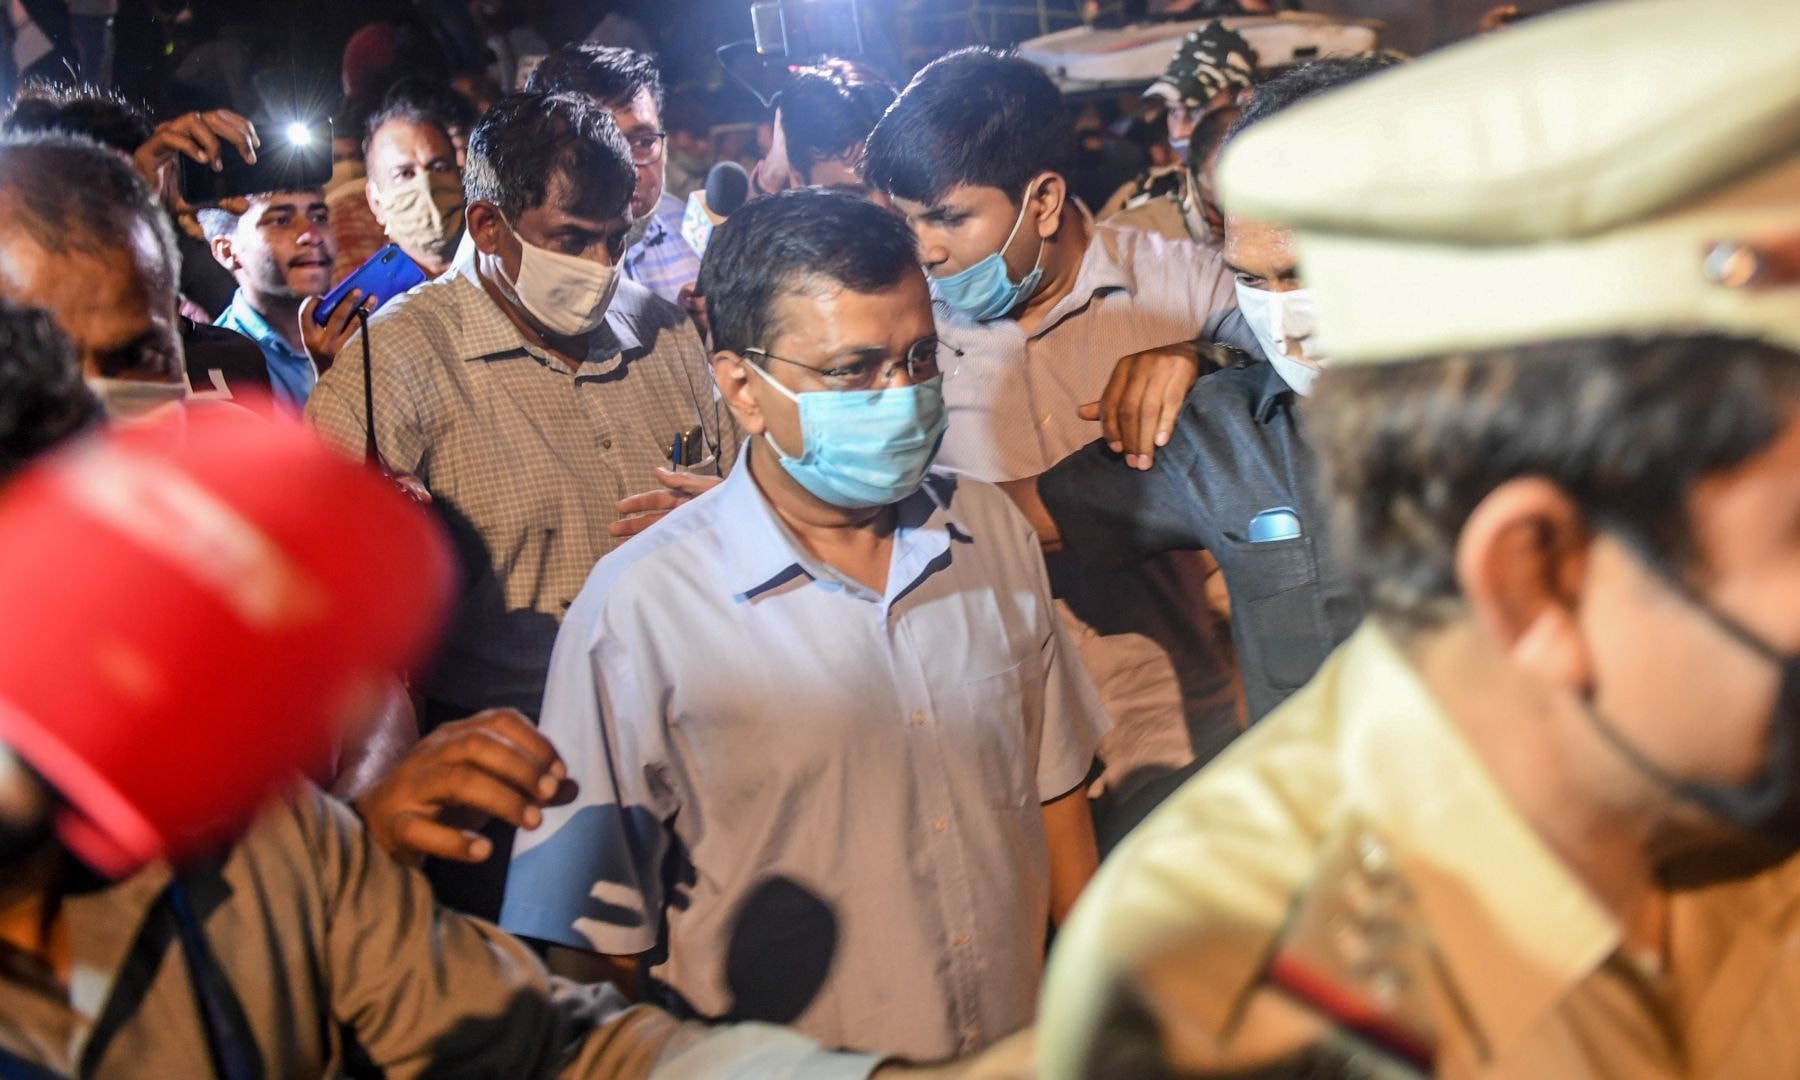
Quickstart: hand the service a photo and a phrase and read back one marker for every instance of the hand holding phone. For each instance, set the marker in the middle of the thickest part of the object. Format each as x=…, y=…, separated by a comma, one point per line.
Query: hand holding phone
x=325, y=340
x=386, y=274
x=297, y=158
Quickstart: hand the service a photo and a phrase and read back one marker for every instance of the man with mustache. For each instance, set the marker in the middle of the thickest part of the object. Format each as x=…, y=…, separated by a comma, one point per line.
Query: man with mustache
x=279, y=247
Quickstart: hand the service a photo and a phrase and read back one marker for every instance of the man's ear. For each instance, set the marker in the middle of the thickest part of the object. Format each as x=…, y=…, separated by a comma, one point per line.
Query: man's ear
x=373, y=197
x=1521, y=560
x=485, y=225
x=1049, y=196
x=732, y=375
x=222, y=253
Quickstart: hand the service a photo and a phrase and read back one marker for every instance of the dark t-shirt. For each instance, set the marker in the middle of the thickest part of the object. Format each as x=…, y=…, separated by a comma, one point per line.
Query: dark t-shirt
x=1237, y=452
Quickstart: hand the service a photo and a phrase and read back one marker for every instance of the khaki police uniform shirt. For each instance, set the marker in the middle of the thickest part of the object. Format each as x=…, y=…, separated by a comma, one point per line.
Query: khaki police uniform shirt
x=1355, y=836
x=328, y=944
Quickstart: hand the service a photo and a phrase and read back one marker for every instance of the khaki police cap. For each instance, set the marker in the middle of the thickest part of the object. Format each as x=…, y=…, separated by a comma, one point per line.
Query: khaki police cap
x=1631, y=166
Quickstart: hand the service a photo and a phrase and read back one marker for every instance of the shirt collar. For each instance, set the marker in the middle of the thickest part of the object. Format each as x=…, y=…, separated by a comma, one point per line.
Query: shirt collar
x=1105, y=268
x=248, y=321
x=487, y=332
x=767, y=554
x=1514, y=928
x=1272, y=392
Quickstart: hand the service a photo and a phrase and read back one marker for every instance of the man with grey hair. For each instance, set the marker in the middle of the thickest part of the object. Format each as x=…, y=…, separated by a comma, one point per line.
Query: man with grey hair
x=535, y=393
x=81, y=238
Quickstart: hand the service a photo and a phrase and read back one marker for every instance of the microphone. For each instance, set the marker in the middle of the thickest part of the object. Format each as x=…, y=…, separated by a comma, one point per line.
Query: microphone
x=727, y=189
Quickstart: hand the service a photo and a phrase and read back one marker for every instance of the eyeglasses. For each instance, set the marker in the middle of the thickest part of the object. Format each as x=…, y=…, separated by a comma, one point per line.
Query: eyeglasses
x=647, y=148
x=920, y=362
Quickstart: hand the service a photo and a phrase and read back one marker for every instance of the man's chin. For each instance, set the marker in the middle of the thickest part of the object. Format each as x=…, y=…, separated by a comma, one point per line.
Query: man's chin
x=309, y=280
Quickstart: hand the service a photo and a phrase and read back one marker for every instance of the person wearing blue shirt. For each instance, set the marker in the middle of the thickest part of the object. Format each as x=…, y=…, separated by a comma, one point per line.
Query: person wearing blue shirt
x=279, y=247
x=829, y=737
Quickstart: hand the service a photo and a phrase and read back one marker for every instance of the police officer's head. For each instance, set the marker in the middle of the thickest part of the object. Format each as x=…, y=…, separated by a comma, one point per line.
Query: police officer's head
x=1562, y=423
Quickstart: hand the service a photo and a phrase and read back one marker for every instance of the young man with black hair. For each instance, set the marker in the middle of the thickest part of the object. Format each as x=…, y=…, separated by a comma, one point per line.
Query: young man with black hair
x=1037, y=306
x=1539, y=816
x=280, y=248
x=627, y=83
x=830, y=740
x=534, y=393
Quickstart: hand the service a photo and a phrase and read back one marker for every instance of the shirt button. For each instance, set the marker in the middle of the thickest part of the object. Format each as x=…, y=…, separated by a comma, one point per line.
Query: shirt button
x=961, y=938
x=918, y=718
x=972, y=1034
x=606, y=444
x=941, y=824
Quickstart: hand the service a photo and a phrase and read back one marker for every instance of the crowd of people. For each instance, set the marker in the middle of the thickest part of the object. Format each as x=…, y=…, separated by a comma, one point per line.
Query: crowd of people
x=1321, y=611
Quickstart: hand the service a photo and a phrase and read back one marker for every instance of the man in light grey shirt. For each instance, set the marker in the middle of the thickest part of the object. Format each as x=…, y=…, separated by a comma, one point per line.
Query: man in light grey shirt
x=829, y=735
x=535, y=394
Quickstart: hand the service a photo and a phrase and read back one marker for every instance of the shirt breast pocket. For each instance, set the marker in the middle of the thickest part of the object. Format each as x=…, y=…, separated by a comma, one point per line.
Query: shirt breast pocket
x=1273, y=596
x=1003, y=724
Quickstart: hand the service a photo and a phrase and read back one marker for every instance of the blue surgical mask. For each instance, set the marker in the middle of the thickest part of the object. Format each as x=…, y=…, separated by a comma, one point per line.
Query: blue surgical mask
x=984, y=291
x=864, y=448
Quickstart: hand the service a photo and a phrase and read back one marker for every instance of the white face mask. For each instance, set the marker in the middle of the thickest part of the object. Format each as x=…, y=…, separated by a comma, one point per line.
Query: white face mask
x=1283, y=324
x=565, y=294
x=136, y=399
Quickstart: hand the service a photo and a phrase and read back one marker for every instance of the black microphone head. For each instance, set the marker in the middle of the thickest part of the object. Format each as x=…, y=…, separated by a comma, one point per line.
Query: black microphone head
x=727, y=188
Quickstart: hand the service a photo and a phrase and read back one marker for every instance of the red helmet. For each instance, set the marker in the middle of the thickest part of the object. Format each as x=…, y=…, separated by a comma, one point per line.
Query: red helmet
x=194, y=609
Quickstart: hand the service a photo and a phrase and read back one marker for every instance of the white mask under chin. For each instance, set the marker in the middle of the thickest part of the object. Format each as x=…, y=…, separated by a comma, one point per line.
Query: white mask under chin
x=1277, y=318
x=136, y=399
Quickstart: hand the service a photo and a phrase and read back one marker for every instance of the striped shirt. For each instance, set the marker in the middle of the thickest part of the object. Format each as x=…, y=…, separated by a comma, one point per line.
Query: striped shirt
x=662, y=261
x=525, y=459
x=1145, y=633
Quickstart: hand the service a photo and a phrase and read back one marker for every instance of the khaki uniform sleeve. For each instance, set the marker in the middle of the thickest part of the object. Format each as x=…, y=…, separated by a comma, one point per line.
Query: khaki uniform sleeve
x=1161, y=957
x=425, y=990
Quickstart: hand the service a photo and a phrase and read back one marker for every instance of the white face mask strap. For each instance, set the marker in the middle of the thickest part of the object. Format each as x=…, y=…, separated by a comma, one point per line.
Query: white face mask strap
x=769, y=379
x=1024, y=206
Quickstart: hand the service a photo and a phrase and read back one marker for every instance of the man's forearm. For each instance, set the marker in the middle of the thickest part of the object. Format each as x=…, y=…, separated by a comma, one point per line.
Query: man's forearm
x=1024, y=494
x=1074, y=853
x=580, y=965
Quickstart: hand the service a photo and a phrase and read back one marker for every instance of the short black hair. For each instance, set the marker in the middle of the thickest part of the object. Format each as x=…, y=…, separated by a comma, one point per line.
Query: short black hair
x=1296, y=84
x=71, y=194
x=1627, y=426
x=101, y=115
x=527, y=140
x=216, y=220
x=402, y=110
x=609, y=74
x=43, y=400
x=828, y=110
x=793, y=241
x=976, y=116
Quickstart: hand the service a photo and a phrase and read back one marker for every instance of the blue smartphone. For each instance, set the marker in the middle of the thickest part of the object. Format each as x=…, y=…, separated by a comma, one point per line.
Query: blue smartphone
x=387, y=274
x=1280, y=523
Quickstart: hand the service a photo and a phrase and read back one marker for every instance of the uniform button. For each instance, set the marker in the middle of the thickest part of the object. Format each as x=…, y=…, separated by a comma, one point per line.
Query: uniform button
x=961, y=938
x=1089, y=632
x=918, y=718
x=606, y=444
x=941, y=824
